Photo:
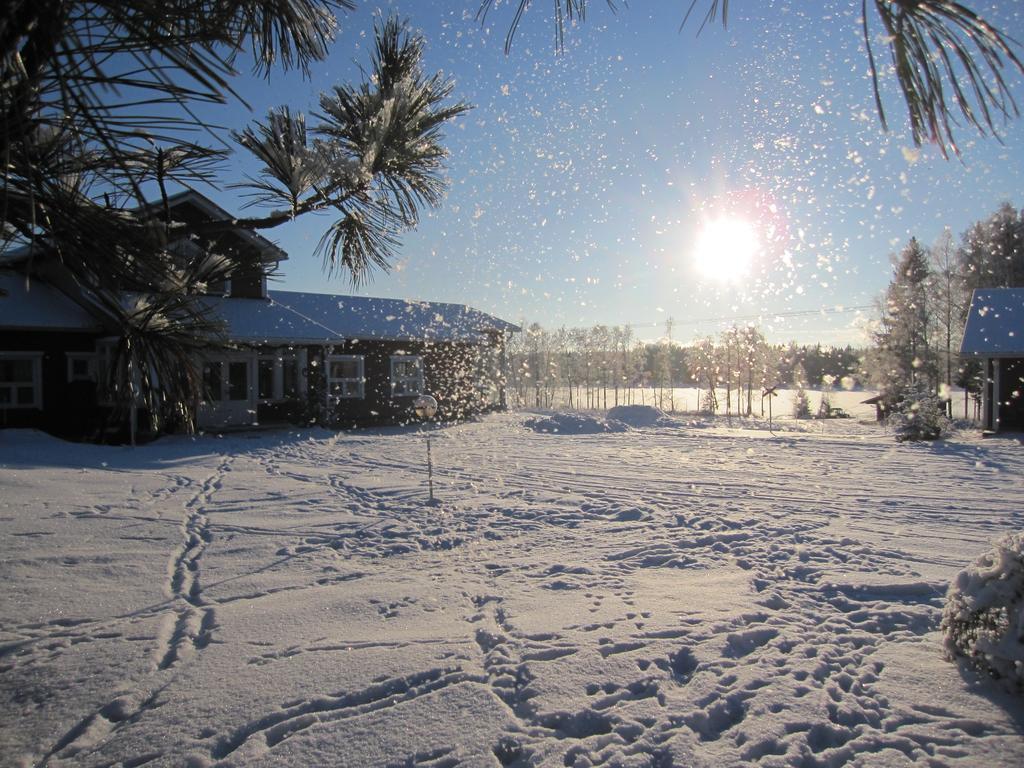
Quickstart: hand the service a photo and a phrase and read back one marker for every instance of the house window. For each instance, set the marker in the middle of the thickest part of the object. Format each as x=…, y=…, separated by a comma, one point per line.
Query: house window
x=238, y=380
x=21, y=376
x=278, y=376
x=406, y=375
x=290, y=376
x=265, y=378
x=81, y=366
x=345, y=377
x=213, y=381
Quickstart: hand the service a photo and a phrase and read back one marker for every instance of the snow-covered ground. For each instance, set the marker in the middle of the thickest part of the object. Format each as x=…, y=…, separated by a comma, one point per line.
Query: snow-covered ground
x=692, y=593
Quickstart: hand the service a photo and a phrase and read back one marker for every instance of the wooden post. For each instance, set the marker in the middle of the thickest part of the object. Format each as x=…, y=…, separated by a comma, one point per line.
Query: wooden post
x=430, y=471
x=996, y=392
x=769, y=392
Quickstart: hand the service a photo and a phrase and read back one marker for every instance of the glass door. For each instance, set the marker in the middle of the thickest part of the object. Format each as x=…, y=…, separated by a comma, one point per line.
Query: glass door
x=230, y=391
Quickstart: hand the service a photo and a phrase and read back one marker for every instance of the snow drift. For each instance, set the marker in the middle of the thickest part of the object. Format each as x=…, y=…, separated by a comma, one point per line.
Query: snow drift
x=574, y=424
x=639, y=415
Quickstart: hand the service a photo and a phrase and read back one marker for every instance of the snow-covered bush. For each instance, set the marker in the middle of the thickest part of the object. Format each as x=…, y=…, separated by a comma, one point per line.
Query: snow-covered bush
x=919, y=415
x=983, y=621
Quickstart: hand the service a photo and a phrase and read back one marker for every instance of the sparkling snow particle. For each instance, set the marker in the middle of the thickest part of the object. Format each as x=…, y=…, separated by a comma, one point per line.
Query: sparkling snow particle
x=911, y=154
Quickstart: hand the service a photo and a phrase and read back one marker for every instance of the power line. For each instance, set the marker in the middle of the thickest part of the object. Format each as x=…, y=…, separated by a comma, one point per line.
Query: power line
x=759, y=316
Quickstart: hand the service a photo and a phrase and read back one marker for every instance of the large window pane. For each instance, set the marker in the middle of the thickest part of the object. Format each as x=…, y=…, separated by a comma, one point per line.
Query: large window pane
x=212, y=381
x=266, y=379
x=238, y=381
x=344, y=369
x=290, y=371
x=16, y=371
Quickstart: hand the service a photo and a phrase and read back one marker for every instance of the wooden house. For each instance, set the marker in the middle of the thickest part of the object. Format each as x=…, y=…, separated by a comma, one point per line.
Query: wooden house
x=282, y=357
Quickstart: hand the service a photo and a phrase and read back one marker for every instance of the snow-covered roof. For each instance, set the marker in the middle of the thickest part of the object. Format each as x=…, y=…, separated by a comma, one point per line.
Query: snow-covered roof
x=995, y=324
x=293, y=317
x=31, y=304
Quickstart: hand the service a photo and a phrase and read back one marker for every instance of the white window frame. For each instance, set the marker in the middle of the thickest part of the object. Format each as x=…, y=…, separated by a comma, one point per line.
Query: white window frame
x=359, y=379
x=36, y=358
x=400, y=386
x=89, y=358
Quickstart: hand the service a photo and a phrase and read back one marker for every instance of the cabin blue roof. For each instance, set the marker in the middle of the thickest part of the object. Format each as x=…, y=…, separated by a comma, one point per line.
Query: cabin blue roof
x=995, y=324
x=297, y=318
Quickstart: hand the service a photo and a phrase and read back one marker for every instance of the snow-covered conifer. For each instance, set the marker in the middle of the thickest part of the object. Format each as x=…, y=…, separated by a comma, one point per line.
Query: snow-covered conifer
x=801, y=403
x=919, y=415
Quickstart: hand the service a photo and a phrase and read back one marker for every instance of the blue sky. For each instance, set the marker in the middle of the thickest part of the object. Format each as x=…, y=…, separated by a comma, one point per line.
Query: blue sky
x=580, y=179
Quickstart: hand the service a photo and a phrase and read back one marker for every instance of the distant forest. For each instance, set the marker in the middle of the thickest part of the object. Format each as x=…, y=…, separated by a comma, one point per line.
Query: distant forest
x=603, y=366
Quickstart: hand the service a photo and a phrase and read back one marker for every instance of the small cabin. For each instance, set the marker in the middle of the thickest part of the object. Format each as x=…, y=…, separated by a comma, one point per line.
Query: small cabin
x=994, y=336
x=881, y=403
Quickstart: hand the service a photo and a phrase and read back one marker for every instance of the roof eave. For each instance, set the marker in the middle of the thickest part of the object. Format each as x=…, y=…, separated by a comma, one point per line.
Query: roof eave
x=1002, y=354
x=268, y=248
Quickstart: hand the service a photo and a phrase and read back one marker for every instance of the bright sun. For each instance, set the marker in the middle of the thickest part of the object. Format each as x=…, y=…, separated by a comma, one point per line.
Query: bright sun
x=725, y=249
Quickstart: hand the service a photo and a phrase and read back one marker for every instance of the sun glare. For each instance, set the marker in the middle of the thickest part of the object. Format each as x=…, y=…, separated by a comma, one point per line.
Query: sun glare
x=725, y=249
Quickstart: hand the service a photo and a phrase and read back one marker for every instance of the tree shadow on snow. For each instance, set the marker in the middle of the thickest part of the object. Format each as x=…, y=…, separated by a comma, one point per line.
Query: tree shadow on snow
x=978, y=455
x=995, y=691
x=31, y=448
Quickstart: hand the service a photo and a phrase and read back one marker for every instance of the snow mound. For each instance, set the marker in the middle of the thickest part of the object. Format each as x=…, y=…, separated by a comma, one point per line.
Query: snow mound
x=639, y=415
x=573, y=424
x=983, y=622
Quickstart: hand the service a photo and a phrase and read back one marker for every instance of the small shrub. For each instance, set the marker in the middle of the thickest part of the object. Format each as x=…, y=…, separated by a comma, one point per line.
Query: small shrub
x=919, y=415
x=983, y=621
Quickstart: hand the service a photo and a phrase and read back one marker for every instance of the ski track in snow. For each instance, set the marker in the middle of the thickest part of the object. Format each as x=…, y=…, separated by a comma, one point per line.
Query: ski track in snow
x=661, y=597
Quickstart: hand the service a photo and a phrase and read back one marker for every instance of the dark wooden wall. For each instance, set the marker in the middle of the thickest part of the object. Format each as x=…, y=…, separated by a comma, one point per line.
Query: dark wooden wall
x=67, y=406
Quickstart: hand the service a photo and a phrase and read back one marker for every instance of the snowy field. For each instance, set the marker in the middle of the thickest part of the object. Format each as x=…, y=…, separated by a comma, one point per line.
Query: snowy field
x=688, y=594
